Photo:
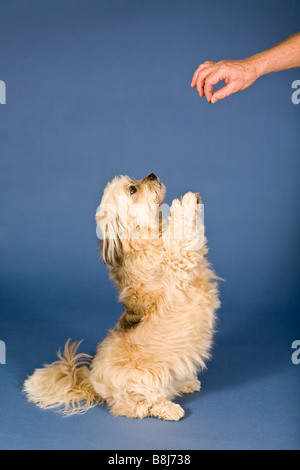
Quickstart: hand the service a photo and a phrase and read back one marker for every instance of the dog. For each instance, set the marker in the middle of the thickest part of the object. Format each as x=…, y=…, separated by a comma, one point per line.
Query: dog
x=170, y=295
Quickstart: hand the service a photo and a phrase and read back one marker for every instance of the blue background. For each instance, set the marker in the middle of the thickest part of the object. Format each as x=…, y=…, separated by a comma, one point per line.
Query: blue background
x=98, y=88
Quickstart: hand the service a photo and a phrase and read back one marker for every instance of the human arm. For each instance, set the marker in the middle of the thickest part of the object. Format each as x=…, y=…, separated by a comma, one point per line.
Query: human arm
x=240, y=74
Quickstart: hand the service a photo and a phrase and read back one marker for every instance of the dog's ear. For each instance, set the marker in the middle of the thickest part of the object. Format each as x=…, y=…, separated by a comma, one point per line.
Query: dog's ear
x=108, y=231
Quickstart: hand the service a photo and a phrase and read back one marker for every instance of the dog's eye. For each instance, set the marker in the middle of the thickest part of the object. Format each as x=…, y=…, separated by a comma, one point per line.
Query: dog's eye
x=132, y=189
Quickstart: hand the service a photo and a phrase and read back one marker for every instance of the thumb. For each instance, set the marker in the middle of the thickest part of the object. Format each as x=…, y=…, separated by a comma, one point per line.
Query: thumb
x=224, y=92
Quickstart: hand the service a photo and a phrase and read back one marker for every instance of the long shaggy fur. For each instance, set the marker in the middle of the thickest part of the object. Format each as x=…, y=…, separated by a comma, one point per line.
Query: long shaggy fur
x=65, y=384
x=170, y=296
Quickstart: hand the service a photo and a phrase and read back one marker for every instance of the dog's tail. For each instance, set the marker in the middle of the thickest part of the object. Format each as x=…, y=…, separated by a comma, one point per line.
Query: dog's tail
x=65, y=384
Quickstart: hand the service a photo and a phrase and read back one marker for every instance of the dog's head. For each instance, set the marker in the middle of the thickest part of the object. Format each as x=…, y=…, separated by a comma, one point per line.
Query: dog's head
x=128, y=207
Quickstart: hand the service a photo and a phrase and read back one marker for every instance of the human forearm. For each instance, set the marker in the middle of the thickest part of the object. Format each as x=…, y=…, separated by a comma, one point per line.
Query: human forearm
x=285, y=55
x=240, y=74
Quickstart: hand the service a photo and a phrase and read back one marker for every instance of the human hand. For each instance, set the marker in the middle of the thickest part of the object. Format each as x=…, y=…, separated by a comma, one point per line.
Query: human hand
x=238, y=75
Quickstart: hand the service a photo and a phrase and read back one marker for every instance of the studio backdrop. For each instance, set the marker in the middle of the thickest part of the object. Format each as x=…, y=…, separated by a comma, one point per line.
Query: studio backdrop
x=93, y=89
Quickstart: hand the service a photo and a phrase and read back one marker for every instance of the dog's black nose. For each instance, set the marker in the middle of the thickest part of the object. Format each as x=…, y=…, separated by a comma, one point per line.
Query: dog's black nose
x=152, y=177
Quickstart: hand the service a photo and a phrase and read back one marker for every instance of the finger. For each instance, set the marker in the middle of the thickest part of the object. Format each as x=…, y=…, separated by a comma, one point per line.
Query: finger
x=194, y=79
x=203, y=74
x=199, y=69
x=224, y=92
x=209, y=83
x=200, y=86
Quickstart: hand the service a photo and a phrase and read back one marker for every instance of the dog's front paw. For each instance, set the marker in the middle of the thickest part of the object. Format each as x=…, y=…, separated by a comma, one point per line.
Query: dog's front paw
x=176, y=208
x=198, y=197
x=191, y=199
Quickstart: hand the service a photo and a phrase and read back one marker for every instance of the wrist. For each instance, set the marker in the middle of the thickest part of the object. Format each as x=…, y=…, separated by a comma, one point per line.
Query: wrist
x=257, y=65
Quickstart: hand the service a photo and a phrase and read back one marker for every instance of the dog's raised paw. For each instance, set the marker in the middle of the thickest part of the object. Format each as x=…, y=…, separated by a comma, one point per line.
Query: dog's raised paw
x=191, y=198
x=198, y=198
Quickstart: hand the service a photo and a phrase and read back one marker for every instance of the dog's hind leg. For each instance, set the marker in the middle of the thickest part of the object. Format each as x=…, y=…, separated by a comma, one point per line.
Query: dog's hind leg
x=190, y=386
x=136, y=407
x=167, y=410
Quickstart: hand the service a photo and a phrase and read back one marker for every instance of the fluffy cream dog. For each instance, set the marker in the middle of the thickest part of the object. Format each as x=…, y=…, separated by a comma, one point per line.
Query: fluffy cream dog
x=170, y=296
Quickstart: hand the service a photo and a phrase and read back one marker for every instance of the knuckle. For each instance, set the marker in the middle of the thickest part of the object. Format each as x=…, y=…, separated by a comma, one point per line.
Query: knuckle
x=224, y=71
x=209, y=82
